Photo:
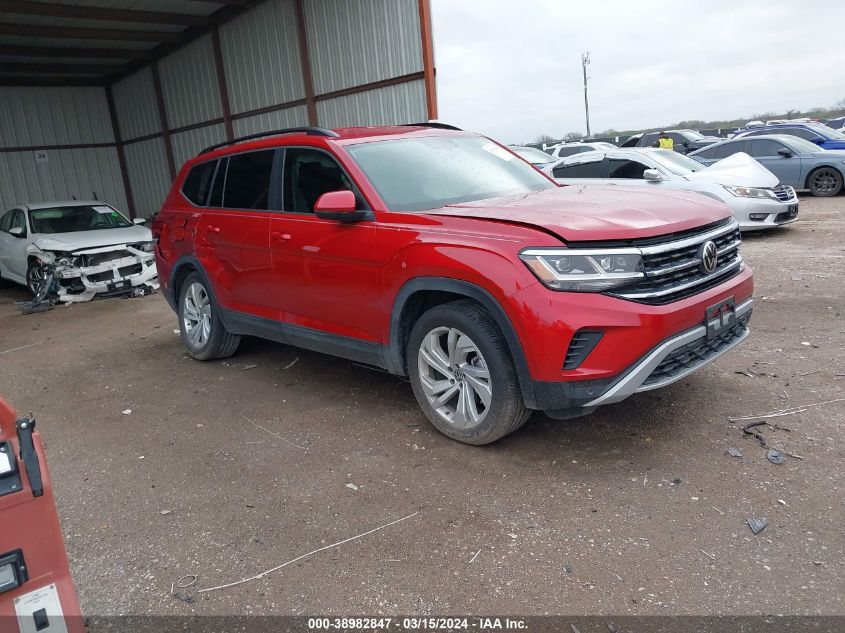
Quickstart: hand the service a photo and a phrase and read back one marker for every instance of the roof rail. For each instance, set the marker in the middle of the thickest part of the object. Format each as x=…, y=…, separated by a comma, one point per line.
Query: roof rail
x=434, y=124
x=311, y=131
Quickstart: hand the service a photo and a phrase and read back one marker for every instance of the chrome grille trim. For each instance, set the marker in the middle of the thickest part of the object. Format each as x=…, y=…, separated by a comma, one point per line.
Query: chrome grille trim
x=735, y=264
x=733, y=225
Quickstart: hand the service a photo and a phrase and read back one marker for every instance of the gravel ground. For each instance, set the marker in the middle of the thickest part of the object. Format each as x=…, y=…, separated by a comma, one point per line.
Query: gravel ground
x=226, y=469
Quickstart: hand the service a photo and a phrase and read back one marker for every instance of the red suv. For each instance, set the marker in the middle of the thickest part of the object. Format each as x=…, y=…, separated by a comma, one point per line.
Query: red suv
x=440, y=255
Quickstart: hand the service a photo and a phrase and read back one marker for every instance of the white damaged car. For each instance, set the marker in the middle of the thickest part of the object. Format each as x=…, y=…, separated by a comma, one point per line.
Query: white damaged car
x=94, y=250
x=751, y=191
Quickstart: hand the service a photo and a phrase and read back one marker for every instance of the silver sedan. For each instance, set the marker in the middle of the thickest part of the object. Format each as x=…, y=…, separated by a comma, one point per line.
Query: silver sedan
x=750, y=191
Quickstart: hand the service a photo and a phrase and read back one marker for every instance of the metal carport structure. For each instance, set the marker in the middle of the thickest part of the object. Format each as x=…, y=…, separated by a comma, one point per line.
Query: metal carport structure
x=107, y=98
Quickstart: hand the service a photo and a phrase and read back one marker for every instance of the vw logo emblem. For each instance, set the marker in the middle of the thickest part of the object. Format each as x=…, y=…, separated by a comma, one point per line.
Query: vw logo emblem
x=709, y=255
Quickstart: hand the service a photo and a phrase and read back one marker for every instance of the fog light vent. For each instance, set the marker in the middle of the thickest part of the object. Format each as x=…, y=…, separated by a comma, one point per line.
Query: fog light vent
x=582, y=344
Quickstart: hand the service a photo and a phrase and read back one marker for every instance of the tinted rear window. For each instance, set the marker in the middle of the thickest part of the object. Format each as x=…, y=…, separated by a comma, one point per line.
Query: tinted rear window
x=248, y=180
x=579, y=170
x=198, y=182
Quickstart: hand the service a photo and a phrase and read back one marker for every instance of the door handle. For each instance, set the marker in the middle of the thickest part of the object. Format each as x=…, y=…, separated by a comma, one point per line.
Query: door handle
x=212, y=229
x=280, y=237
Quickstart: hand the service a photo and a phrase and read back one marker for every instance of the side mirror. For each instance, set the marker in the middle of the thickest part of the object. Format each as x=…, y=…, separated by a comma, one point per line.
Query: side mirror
x=16, y=231
x=340, y=206
x=139, y=221
x=785, y=152
x=652, y=175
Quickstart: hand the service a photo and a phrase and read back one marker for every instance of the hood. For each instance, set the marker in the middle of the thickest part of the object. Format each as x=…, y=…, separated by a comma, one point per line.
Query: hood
x=597, y=213
x=737, y=170
x=82, y=240
x=830, y=154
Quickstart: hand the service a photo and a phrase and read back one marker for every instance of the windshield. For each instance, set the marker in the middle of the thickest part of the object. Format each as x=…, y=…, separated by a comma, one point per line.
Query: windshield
x=800, y=145
x=676, y=163
x=533, y=155
x=692, y=135
x=829, y=132
x=76, y=218
x=413, y=174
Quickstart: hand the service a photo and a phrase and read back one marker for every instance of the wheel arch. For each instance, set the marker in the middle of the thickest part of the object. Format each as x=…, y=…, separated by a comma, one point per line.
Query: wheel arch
x=422, y=293
x=825, y=166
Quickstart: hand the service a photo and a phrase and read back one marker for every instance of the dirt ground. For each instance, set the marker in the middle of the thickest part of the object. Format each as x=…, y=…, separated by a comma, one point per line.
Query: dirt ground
x=635, y=509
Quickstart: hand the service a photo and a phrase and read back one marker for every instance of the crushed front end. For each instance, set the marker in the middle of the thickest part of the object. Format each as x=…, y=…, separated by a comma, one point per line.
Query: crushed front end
x=117, y=270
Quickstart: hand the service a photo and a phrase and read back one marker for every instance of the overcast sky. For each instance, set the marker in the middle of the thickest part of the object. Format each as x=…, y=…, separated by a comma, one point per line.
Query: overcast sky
x=512, y=68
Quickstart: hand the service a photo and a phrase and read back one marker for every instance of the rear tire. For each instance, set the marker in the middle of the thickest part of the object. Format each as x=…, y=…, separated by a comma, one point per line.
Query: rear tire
x=825, y=182
x=203, y=333
x=463, y=375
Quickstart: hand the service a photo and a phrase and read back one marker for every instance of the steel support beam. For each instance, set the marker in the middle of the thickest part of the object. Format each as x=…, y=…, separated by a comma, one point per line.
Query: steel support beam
x=305, y=63
x=121, y=156
x=72, y=32
x=23, y=7
x=68, y=51
x=221, y=83
x=162, y=115
x=59, y=68
x=428, y=58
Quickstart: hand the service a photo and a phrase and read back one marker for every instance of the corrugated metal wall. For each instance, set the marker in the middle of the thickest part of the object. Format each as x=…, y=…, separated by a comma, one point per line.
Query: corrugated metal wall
x=355, y=42
x=46, y=116
x=135, y=102
x=291, y=117
x=189, y=84
x=402, y=103
x=68, y=173
x=53, y=116
x=148, y=177
x=261, y=57
x=188, y=144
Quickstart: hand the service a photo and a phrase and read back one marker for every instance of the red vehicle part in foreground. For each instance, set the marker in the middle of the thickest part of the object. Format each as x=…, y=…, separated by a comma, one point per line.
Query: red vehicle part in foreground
x=36, y=588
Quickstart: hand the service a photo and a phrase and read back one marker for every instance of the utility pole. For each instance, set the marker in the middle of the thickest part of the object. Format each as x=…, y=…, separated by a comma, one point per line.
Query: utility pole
x=585, y=60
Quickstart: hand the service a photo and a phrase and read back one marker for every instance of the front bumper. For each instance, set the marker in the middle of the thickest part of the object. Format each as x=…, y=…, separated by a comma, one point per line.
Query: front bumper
x=757, y=214
x=131, y=271
x=676, y=358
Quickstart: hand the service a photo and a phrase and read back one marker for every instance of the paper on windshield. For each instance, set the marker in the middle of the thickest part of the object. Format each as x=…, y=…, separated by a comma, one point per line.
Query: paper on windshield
x=497, y=151
x=104, y=210
x=737, y=170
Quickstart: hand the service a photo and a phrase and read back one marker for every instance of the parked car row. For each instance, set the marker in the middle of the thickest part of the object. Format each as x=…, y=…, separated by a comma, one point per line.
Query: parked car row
x=794, y=161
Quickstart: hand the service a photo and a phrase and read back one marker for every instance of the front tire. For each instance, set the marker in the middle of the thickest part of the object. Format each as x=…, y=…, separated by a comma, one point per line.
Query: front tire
x=33, y=276
x=463, y=376
x=203, y=333
x=825, y=182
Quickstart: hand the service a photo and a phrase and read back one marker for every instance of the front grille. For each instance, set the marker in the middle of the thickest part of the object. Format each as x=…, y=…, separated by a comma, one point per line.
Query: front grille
x=132, y=269
x=784, y=193
x=673, y=268
x=99, y=277
x=96, y=259
x=696, y=353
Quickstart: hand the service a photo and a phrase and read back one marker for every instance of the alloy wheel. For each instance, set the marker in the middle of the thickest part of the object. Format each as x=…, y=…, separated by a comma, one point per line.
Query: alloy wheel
x=825, y=181
x=196, y=314
x=33, y=278
x=454, y=377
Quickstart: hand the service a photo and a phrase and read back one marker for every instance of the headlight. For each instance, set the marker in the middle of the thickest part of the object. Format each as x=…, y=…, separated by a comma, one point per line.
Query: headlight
x=582, y=270
x=64, y=258
x=147, y=247
x=750, y=192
